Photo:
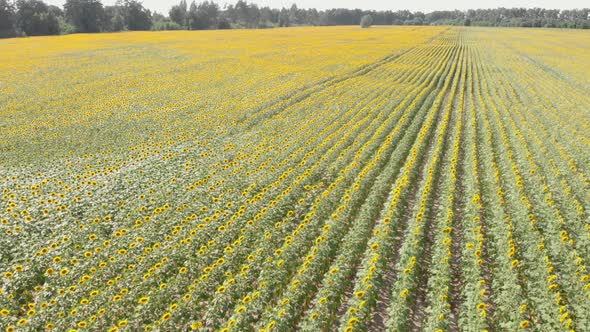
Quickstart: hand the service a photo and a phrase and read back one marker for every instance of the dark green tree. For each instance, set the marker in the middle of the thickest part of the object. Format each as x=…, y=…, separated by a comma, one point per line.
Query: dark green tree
x=366, y=21
x=192, y=16
x=294, y=15
x=178, y=13
x=205, y=15
x=85, y=15
x=118, y=22
x=135, y=15
x=7, y=19
x=34, y=18
x=223, y=24
x=55, y=10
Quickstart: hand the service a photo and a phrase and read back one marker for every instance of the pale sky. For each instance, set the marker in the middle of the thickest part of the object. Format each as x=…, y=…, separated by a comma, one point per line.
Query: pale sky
x=426, y=6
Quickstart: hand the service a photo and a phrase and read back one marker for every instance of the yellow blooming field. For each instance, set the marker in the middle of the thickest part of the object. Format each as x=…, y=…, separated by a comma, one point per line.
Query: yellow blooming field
x=312, y=178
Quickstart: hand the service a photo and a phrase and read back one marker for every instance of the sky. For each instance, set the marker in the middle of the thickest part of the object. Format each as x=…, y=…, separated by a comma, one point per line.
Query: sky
x=162, y=6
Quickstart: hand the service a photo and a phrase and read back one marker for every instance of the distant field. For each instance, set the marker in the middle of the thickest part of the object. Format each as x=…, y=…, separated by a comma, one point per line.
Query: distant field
x=391, y=178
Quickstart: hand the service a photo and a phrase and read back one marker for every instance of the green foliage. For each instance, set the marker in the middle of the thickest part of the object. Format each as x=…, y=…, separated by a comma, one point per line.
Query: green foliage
x=203, y=16
x=66, y=28
x=166, y=25
x=223, y=24
x=136, y=17
x=84, y=15
x=34, y=18
x=118, y=23
x=7, y=19
x=178, y=13
x=366, y=21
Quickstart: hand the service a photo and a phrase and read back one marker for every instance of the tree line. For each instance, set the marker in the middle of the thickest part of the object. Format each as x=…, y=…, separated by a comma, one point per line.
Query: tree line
x=34, y=17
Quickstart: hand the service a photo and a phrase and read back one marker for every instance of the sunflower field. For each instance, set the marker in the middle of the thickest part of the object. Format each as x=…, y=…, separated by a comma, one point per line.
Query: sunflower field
x=308, y=179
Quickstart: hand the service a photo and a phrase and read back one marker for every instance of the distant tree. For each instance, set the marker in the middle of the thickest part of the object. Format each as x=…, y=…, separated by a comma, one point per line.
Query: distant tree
x=284, y=18
x=244, y=14
x=118, y=22
x=85, y=15
x=269, y=15
x=178, y=13
x=192, y=16
x=106, y=22
x=112, y=19
x=366, y=21
x=65, y=28
x=55, y=10
x=208, y=15
x=7, y=19
x=223, y=23
x=135, y=15
x=34, y=18
x=208, y=12
x=294, y=17
x=51, y=23
x=203, y=16
x=157, y=17
x=165, y=24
